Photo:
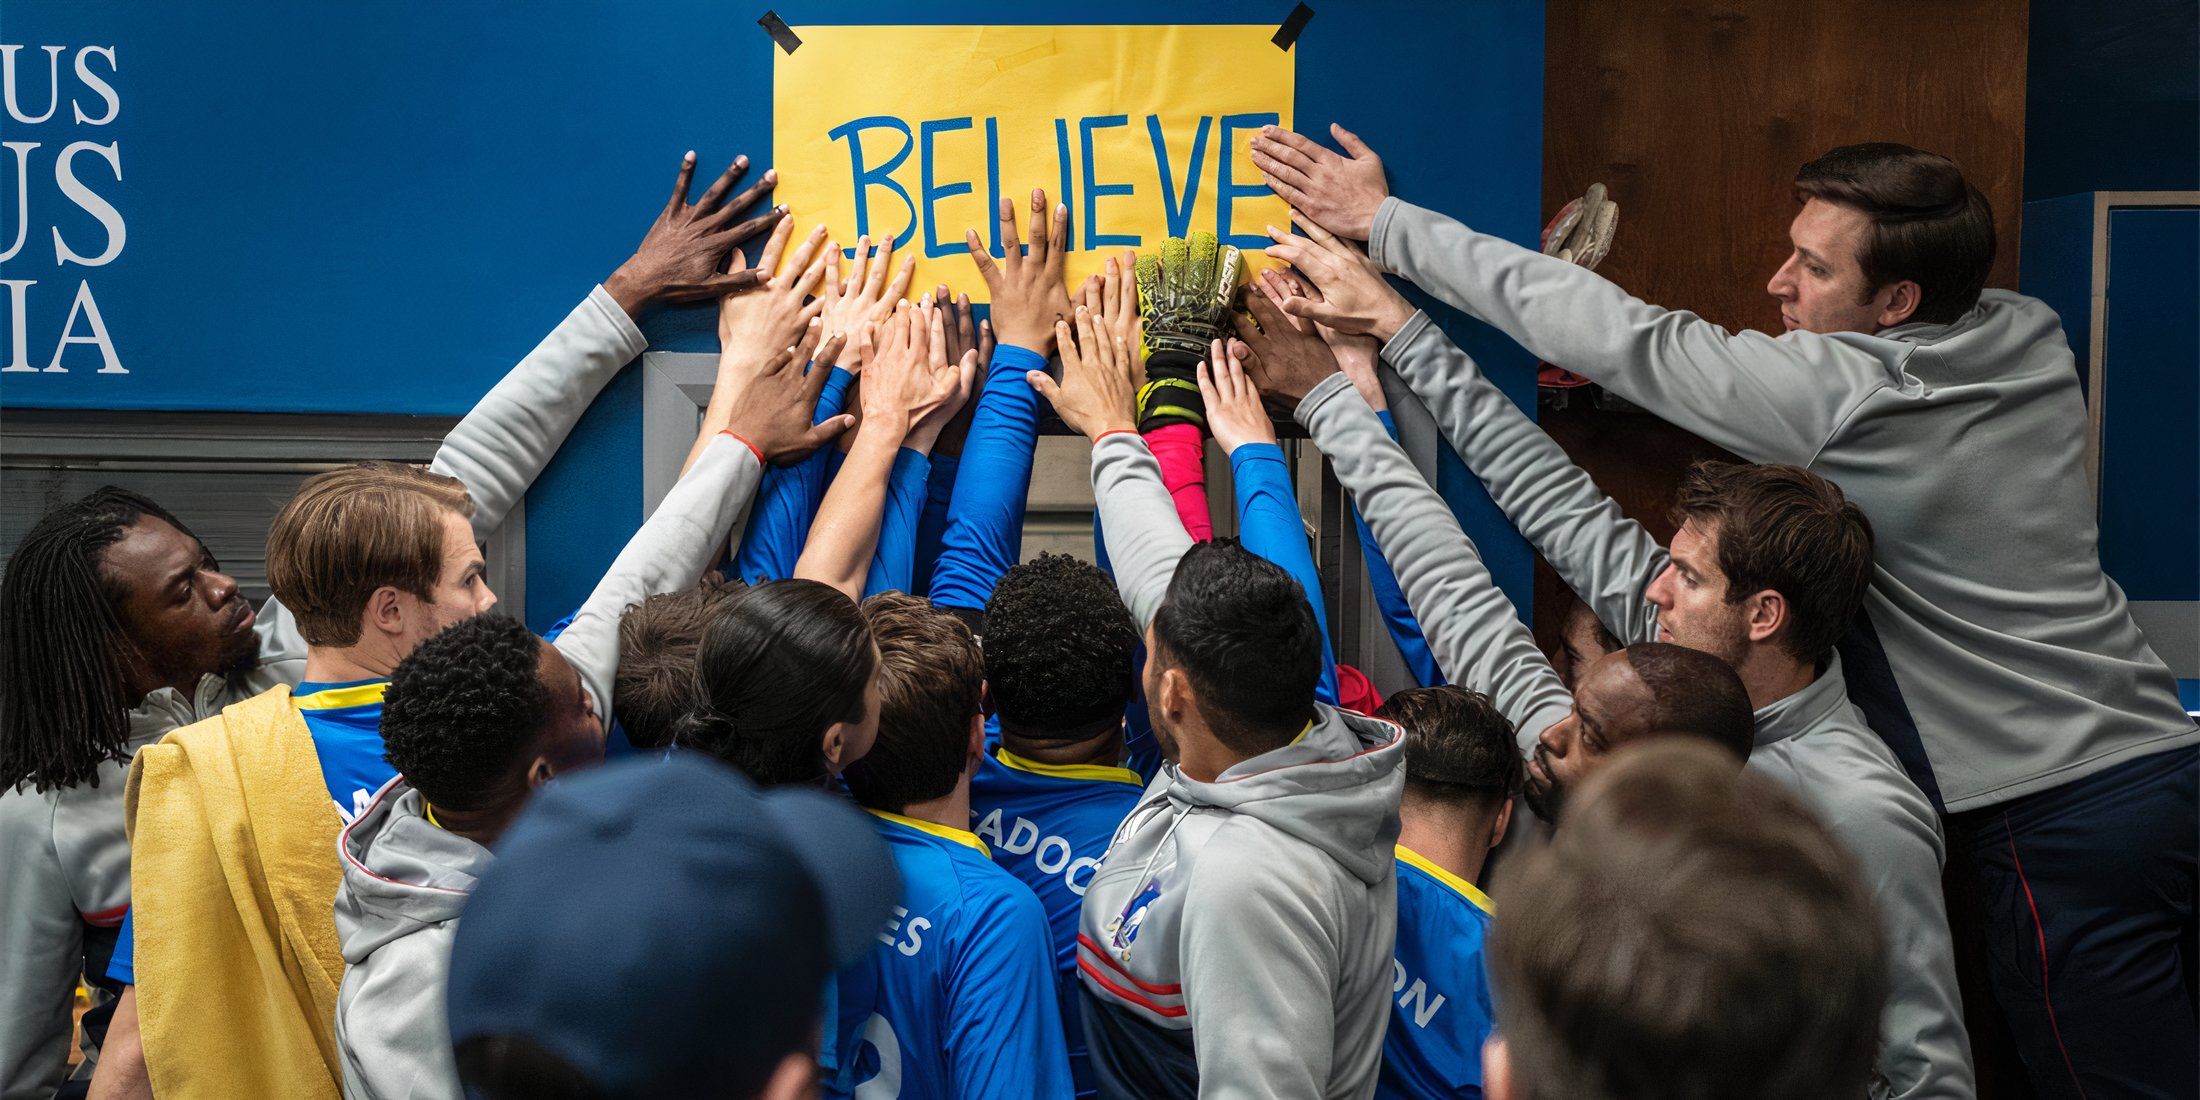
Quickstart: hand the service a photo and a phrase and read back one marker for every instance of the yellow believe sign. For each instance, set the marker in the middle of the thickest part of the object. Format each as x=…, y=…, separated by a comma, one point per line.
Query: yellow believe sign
x=919, y=131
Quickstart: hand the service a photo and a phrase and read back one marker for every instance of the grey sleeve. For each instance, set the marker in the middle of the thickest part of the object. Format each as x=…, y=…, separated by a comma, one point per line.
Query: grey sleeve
x=515, y=429
x=670, y=552
x=1766, y=399
x=40, y=950
x=391, y=1034
x=1471, y=627
x=1606, y=558
x=1145, y=538
x=1925, y=1051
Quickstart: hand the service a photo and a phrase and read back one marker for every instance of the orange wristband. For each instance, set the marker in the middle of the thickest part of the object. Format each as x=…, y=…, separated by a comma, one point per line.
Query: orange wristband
x=751, y=446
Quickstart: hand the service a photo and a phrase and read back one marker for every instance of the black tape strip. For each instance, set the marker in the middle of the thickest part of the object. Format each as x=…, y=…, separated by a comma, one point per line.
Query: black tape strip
x=1292, y=25
x=783, y=34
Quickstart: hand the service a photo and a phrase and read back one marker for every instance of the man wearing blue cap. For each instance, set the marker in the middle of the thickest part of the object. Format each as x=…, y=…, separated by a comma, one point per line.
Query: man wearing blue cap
x=757, y=895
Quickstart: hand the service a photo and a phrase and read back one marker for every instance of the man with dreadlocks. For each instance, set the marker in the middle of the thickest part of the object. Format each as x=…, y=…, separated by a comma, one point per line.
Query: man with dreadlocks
x=117, y=627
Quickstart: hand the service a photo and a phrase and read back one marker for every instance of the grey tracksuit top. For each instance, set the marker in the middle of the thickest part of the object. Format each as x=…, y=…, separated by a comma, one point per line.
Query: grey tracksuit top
x=63, y=854
x=2011, y=663
x=1258, y=911
x=1815, y=742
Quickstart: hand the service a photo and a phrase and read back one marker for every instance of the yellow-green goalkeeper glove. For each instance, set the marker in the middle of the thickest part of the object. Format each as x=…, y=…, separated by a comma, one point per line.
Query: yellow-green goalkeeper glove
x=1184, y=295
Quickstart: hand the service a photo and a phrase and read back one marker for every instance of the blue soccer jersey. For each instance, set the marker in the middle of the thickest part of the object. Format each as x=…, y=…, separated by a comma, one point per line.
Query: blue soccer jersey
x=1440, y=991
x=958, y=998
x=1049, y=825
x=346, y=723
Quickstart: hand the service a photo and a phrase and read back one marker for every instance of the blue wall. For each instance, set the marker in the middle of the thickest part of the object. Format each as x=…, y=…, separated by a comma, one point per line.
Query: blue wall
x=2112, y=97
x=353, y=207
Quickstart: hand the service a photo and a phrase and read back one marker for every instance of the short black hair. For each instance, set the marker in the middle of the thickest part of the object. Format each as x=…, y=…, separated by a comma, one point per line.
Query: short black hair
x=1061, y=652
x=779, y=665
x=931, y=683
x=1241, y=630
x=1695, y=693
x=464, y=709
x=1459, y=747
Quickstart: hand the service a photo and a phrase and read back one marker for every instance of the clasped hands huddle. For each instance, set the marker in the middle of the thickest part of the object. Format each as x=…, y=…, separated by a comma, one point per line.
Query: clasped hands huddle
x=787, y=324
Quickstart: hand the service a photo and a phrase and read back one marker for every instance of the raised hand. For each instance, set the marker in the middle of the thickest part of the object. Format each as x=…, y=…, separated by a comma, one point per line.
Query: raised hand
x=1026, y=287
x=1234, y=410
x=911, y=378
x=867, y=296
x=1095, y=395
x=754, y=325
x=1356, y=355
x=1286, y=360
x=963, y=367
x=1112, y=298
x=683, y=257
x=1340, y=193
x=963, y=337
x=770, y=407
x=1350, y=293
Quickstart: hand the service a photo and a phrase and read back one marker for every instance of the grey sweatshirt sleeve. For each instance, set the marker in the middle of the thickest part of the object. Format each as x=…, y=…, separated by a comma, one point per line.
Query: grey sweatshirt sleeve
x=1145, y=538
x=512, y=432
x=1606, y=558
x=1925, y=1052
x=391, y=1033
x=39, y=951
x=670, y=552
x=1472, y=629
x=1766, y=399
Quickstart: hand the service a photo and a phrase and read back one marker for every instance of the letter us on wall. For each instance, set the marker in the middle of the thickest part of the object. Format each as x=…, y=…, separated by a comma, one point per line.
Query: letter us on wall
x=918, y=132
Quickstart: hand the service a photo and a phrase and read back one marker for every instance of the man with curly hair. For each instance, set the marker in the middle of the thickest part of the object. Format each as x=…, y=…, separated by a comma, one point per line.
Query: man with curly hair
x=475, y=719
x=1060, y=774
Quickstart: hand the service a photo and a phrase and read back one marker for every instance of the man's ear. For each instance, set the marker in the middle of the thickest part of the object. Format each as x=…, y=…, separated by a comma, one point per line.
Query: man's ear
x=835, y=746
x=1497, y=1070
x=1177, y=696
x=1901, y=300
x=976, y=748
x=1503, y=823
x=540, y=772
x=386, y=611
x=1765, y=615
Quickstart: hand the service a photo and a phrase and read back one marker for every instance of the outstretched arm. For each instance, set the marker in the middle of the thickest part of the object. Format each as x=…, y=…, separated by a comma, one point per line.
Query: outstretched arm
x=513, y=431
x=910, y=379
x=766, y=419
x=1144, y=537
x=985, y=514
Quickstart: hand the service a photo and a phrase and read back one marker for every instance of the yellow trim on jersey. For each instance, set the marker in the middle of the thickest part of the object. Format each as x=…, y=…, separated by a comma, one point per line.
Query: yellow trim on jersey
x=1302, y=733
x=1068, y=771
x=944, y=832
x=429, y=811
x=357, y=695
x=1459, y=885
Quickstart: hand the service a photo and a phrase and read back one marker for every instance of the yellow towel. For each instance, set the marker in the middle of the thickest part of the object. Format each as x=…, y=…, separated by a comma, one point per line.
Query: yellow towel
x=233, y=876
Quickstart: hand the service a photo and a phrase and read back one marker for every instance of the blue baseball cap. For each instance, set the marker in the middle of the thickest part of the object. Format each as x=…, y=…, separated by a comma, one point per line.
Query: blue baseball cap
x=662, y=926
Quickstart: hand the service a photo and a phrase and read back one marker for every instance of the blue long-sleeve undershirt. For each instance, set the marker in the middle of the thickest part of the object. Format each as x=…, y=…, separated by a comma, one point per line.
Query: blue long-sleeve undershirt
x=1405, y=630
x=1269, y=525
x=895, y=559
x=786, y=501
x=985, y=515
x=932, y=525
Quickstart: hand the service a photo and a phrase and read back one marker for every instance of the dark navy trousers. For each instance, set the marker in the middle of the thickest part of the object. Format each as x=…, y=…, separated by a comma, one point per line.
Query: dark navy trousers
x=2089, y=891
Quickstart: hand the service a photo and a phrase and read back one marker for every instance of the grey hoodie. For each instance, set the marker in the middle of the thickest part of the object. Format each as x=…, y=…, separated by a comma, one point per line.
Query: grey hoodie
x=1254, y=914
x=64, y=858
x=1815, y=742
x=405, y=881
x=2005, y=661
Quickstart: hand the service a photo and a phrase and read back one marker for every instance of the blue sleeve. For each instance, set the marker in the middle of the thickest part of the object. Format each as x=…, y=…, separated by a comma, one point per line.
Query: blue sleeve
x=1003, y=1017
x=1269, y=525
x=122, y=965
x=779, y=521
x=1405, y=630
x=939, y=489
x=896, y=554
x=985, y=516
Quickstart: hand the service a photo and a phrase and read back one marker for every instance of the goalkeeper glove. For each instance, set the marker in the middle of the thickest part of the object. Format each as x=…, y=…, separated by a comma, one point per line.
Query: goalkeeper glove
x=1184, y=295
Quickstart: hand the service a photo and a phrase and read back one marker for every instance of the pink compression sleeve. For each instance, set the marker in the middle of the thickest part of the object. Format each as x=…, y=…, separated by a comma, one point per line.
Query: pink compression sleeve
x=1183, y=457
